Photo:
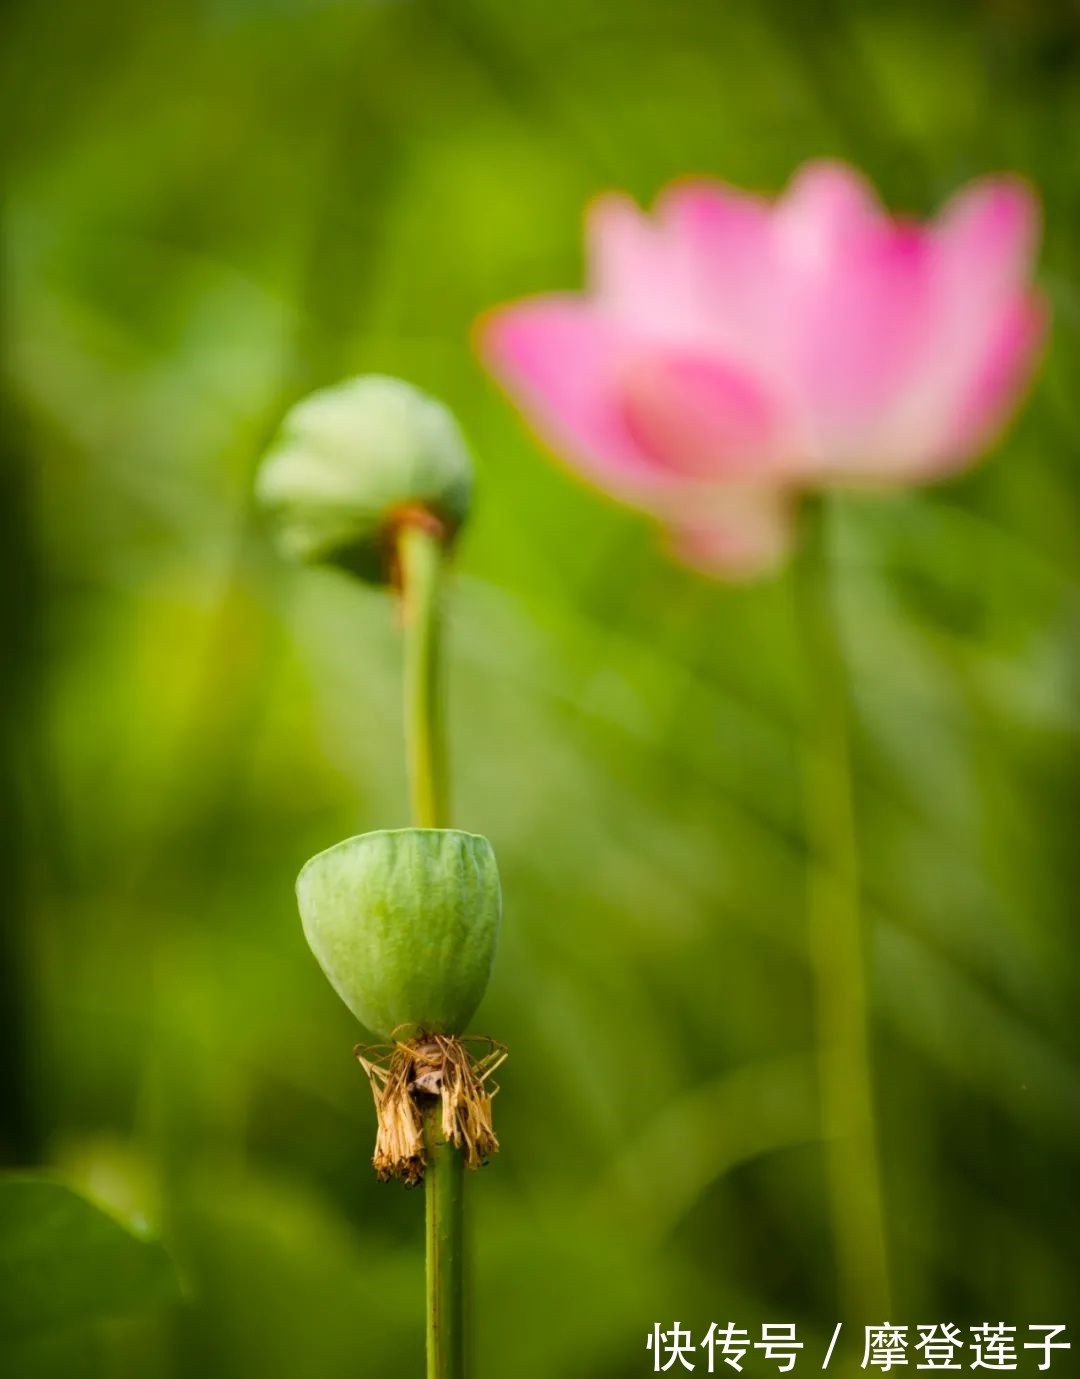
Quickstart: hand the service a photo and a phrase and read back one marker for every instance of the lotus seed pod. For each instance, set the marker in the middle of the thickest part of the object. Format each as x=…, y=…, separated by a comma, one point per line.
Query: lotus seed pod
x=349, y=460
x=404, y=923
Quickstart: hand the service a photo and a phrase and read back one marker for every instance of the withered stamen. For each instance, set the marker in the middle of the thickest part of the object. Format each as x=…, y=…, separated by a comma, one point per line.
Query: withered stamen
x=406, y=1076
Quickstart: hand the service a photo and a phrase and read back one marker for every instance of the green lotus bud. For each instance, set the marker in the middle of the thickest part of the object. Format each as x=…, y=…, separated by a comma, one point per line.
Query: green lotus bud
x=350, y=460
x=404, y=923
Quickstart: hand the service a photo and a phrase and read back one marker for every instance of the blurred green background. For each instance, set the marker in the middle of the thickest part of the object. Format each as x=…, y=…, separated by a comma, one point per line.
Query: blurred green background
x=213, y=207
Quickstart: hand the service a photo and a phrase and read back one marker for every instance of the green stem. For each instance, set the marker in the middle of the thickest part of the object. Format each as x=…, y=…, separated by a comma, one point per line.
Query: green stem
x=420, y=559
x=838, y=955
x=445, y=1219
x=419, y=550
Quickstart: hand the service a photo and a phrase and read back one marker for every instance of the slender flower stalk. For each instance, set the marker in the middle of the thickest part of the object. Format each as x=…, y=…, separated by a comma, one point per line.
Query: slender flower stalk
x=420, y=555
x=444, y=1194
x=419, y=552
x=837, y=944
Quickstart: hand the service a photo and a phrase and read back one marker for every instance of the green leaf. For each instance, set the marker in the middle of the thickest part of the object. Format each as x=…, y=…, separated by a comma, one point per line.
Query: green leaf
x=64, y=1261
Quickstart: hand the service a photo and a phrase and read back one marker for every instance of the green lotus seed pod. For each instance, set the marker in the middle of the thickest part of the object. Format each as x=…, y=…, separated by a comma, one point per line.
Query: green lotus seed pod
x=349, y=460
x=404, y=923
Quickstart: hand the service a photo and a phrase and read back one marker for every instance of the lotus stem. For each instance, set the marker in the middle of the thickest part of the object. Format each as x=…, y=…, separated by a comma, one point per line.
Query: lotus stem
x=444, y=1201
x=419, y=557
x=838, y=951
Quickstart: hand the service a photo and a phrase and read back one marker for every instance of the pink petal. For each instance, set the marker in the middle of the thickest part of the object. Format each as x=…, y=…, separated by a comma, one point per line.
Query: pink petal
x=558, y=357
x=714, y=221
x=990, y=328
x=981, y=336
x=858, y=307
x=639, y=419
x=988, y=233
x=826, y=208
x=722, y=241
x=997, y=383
x=627, y=268
x=698, y=418
x=859, y=343
x=697, y=273
x=640, y=275
x=746, y=531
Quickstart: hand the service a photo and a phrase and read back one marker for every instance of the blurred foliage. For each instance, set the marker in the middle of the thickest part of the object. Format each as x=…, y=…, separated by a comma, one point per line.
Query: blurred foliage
x=213, y=206
x=64, y=1263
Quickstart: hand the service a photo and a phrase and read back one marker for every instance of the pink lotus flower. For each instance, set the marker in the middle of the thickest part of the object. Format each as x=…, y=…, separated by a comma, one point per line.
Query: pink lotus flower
x=731, y=352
